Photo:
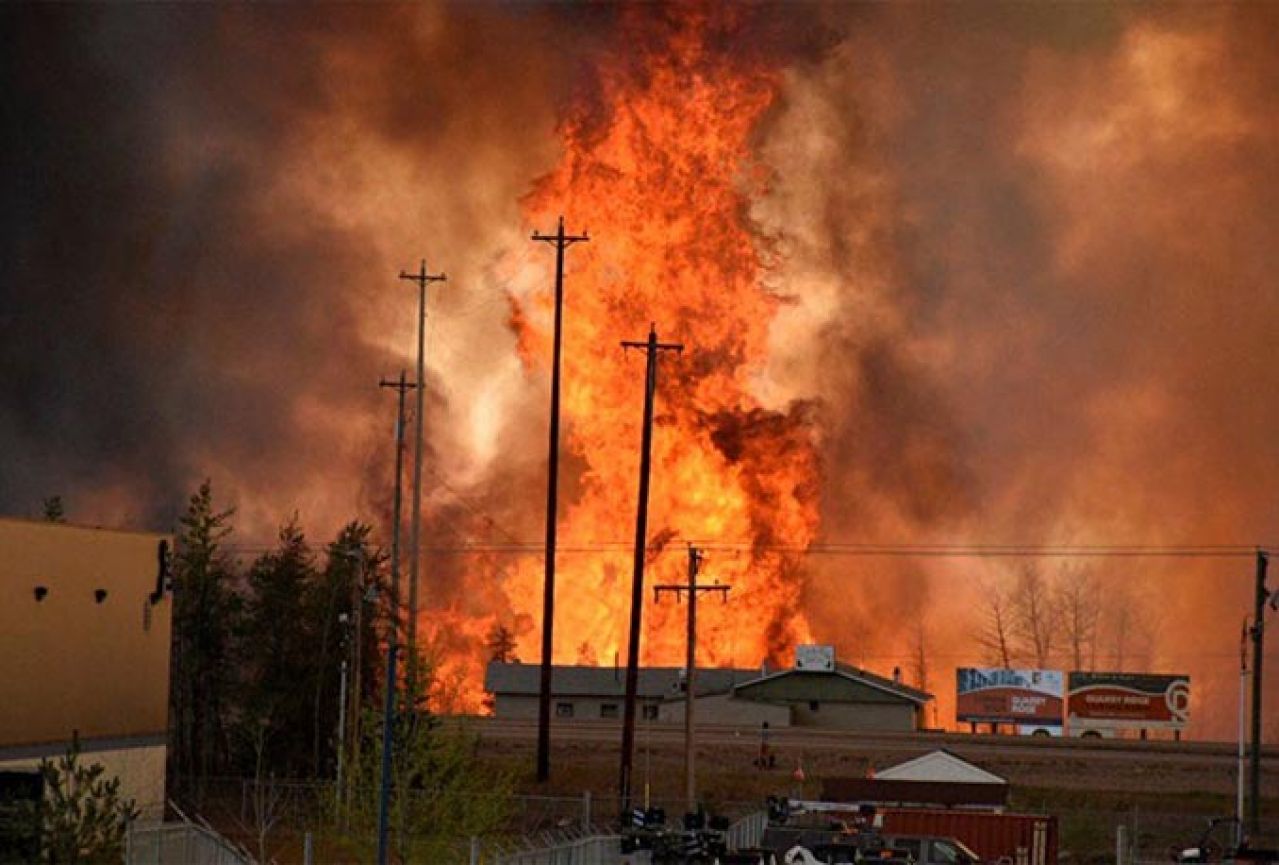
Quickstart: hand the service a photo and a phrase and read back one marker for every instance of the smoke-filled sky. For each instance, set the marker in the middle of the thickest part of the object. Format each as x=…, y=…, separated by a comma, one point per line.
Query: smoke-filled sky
x=1023, y=258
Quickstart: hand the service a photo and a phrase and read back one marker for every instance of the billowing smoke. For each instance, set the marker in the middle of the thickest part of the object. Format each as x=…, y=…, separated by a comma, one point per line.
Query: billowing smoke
x=1025, y=253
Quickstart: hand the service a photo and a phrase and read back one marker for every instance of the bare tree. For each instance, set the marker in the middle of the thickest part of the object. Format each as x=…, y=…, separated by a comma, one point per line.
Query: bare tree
x=996, y=633
x=1079, y=601
x=1036, y=616
x=1125, y=629
x=1120, y=626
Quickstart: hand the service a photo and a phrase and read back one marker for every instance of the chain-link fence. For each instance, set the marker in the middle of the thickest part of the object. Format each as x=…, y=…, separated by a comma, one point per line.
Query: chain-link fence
x=271, y=818
x=278, y=818
x=1137, y=834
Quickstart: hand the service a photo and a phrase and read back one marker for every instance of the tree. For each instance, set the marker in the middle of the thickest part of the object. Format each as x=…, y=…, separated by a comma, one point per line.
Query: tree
x=206, y=612
x=277, y=653
x=501, y=645
x=1036, y=619
x=441, y=790
x=342, y=598
x=1124, y=628
x=996, y=632
x=81, y=817
x=1079, y=601
x=54, y=511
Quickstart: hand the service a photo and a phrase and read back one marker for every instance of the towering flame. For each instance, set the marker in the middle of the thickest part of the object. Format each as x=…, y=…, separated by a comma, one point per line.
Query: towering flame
x=657, y=165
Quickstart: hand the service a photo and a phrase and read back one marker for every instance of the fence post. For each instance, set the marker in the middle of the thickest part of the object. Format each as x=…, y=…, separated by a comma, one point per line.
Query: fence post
x=586, y=810
x=1121, y=844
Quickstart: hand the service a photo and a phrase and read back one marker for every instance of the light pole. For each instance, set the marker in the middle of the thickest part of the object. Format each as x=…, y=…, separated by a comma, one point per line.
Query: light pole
x=344, y=620
x=1255, y=633
x=1243, y=710
x=1261, y=597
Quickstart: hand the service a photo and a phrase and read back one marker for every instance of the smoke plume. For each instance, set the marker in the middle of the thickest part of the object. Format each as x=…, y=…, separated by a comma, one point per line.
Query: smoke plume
x=1018, y=261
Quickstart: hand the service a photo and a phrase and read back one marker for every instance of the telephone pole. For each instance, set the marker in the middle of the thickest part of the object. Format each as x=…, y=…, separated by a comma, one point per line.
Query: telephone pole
x=650, y=347
x=423, y=279
x=561, y=241
x=693, y=588
x=388, y=704
x=1258, y=640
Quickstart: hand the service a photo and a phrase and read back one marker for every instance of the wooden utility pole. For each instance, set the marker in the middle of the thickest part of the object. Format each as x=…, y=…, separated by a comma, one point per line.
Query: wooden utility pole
x=650, y=347
x=561, y=241
x=388, y=704
x=1258, y=642
x=695, y=557
x=423, y=279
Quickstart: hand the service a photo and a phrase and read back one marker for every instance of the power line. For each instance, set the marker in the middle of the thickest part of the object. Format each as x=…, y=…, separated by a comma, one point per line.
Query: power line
x=853, y=549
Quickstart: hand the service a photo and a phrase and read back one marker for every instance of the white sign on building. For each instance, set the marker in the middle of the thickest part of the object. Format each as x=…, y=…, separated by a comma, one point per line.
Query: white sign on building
x=815, y=658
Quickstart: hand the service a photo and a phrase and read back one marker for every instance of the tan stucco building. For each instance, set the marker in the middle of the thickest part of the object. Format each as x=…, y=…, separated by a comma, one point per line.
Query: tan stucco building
x=84, y=648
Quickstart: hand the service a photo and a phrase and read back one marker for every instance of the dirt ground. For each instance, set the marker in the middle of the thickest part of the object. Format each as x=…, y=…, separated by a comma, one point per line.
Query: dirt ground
x=1164, y=795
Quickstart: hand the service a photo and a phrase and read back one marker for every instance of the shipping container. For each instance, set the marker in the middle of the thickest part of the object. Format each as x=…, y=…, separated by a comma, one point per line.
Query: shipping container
x=1017, y=839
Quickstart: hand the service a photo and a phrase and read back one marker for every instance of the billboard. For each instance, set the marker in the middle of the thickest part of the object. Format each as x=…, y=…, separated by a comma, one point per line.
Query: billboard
x=999, y=696
x=1113, y=701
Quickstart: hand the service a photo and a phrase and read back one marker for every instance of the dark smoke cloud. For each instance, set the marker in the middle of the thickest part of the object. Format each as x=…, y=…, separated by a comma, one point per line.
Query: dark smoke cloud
x=185, y=291
x=1046, y=227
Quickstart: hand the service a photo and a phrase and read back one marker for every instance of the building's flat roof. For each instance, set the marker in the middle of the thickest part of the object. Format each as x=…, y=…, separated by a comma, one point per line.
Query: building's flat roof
x=52, y=524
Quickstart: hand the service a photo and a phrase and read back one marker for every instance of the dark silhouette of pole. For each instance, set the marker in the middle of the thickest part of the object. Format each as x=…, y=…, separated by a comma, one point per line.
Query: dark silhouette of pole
x=693, y=588
x=651, y=347
x=1258, y=643
x=388, y=703
x=422, y=278
x=561, y=242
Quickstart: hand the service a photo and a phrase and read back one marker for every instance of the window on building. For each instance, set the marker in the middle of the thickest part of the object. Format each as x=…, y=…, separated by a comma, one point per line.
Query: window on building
x=608, y=710
x=563, y=710
x=813, y=705
x=650, y=711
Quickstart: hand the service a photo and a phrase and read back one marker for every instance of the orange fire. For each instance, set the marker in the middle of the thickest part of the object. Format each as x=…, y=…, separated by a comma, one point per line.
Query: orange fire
x=657, y=165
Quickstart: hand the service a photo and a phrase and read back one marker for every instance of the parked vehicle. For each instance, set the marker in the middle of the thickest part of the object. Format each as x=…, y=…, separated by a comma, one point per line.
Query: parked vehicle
x=802, y=833
x=696, y=840
x=1216, y=845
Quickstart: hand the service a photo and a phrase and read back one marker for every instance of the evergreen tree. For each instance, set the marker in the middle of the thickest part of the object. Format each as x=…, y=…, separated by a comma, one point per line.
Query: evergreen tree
x=54, y=511
x=345, y=617
x=206, y=610
x=81, y=817
x=501, y=645
x=277, y=657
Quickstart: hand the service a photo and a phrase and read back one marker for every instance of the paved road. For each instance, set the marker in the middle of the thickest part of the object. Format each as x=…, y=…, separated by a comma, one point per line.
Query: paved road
x=1208, y=754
